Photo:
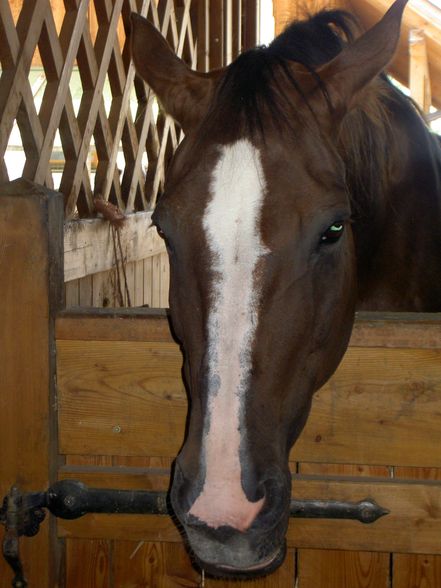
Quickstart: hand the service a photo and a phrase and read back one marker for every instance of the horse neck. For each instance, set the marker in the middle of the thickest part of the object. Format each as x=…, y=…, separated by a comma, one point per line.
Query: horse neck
x=394, y=175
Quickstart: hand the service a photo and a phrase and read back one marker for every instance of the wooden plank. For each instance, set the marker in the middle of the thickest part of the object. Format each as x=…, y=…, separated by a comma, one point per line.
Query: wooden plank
x=362, y=415
x=334, y=569
x=88, y=563
x=203, y=53
x=72, y=293
x=128, y=283
x=140, y=324
x=419, y=77
x=86, y=291
x=417, y=570
x=216, y=36
x=102, y=406
x=138, y=299
x=250, y=23
x=156, y=281
x=31, y=222
x=88, y=244
x=103, y=289
x=164, y=280
x=392, y=330
x=411, y=571
x=399, y=329
x=371, y=329
x=148, y=280
x=413, y=525
x=162, y=565
x=285, y=11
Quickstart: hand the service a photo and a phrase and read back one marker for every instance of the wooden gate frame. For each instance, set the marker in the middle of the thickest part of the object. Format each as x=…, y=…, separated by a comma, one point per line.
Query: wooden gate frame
x=36, y=405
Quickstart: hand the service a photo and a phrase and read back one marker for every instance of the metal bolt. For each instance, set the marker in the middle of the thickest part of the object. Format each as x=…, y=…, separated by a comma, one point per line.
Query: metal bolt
x=69, y=501
x=117, y=429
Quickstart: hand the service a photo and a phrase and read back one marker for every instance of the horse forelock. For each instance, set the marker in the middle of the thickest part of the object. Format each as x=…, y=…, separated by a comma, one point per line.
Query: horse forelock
x=257, y=89
x=261, y=80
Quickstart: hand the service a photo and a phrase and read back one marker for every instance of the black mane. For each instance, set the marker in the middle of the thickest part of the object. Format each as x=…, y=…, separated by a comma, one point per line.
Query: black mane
x=317, y=40
x=250, y=85
x=250, y=90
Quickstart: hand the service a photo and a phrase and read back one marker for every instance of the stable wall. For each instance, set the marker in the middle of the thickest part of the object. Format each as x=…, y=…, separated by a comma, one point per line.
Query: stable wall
x=111, y=411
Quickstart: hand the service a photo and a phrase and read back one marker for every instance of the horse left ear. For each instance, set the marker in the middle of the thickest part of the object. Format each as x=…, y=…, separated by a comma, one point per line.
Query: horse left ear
x=185, y=94
x=361, y=61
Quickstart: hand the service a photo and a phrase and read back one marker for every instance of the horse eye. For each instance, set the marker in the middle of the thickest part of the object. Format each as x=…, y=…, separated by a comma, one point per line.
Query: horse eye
x=332, y=233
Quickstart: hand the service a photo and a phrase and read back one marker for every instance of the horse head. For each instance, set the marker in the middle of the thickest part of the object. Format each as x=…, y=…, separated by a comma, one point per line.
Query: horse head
x=256, y=218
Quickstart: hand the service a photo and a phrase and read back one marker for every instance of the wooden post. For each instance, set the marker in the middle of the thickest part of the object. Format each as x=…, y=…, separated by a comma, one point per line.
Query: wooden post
x=284, y=12
x=31, y=287
x=419, y=78
x=251, y=12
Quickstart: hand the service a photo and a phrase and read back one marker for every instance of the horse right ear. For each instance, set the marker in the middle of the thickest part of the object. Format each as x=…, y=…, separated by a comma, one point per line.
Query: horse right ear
x=184, y=93
x=359, y=62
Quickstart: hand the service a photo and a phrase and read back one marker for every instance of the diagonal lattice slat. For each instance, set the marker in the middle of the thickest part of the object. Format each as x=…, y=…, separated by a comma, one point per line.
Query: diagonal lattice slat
x=71, y=105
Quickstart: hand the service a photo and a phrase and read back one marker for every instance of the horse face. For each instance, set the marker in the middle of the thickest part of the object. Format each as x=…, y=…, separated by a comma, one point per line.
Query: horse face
x=262, y=298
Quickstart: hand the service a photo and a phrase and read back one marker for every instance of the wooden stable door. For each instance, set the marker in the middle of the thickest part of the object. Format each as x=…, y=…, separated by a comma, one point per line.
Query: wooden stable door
x=98, y=396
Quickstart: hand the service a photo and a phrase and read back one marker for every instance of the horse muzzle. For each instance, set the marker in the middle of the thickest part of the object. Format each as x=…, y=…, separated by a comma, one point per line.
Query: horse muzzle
x=226, y=551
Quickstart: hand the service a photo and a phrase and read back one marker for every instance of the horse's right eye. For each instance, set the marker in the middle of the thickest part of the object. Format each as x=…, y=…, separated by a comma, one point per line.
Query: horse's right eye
x=332, y=233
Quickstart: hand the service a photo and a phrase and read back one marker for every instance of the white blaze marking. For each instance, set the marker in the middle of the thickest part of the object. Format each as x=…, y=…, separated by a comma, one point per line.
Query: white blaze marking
x=231, y=223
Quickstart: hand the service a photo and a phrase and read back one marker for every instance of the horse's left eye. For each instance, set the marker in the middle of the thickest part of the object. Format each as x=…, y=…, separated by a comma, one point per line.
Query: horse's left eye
x=332, y=233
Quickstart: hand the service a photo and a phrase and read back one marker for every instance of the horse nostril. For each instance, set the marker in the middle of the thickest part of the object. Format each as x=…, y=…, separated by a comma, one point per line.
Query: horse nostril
x=277, y=492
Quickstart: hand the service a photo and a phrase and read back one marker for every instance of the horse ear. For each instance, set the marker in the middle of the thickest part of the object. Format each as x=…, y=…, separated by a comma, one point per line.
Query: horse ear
x=361, y=61
x=184, y=93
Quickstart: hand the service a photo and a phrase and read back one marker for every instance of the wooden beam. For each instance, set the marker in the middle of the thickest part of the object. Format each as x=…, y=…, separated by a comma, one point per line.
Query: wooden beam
x=88, y=244
x=31, y=266
x=140, y=324
x=385, y=384
x=418, y=15
x=419, y=77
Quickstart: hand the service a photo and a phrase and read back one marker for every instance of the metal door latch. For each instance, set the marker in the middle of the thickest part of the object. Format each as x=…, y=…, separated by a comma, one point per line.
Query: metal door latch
x=22, y=513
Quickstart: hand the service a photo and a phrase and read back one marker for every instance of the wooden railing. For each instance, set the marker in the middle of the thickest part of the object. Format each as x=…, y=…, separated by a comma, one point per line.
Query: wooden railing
x=111, y=141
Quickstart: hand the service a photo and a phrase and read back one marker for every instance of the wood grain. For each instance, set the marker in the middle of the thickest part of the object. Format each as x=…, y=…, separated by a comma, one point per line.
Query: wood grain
x=422, y=571
x=118, y=398
x=144, y=564
x=364, y=413
x=416, y=571
x=338, y=569
x=88, y=563
x=412, y=526
x=31, y=292
x=343, y=569
x=140, y=324
x=361, y=416
x=397, y=330
x=371, y=329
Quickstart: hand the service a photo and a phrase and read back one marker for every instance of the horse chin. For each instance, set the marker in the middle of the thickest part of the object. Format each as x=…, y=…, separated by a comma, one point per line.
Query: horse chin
x=263, y=568
x=239, y=555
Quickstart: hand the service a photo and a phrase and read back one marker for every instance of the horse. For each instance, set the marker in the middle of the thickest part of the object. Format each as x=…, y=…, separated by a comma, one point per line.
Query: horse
x=306, y=187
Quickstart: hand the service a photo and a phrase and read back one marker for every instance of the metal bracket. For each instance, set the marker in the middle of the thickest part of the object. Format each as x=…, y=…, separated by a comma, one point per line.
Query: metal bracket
x=22, y=514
